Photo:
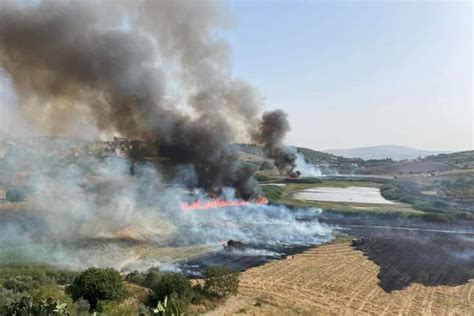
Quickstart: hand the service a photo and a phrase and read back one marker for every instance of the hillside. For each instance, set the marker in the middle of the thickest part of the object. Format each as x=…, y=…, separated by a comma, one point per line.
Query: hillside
x=453, y=162
x=381, y=152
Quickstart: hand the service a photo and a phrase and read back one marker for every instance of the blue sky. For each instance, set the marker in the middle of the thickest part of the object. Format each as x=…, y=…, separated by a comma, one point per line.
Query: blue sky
x=361, y=73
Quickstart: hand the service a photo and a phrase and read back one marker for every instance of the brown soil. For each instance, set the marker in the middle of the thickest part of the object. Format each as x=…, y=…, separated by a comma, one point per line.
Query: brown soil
x=336, y=279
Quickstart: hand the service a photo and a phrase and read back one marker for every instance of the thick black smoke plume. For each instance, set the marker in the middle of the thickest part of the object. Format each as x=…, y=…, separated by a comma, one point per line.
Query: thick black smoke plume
x=271, y=133
x=113, y=66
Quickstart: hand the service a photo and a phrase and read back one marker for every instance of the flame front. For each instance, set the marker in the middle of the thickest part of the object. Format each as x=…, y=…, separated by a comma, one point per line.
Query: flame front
x=217, y=203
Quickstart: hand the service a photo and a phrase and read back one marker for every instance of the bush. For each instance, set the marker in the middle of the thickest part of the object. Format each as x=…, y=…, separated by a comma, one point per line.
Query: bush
x=221, y=281
x=50, y=291
x=174, y=286
x=149, y=279
x=135, y=277
x=26, y=306
x=8, y=297
x=22, y=283
x=96, y=284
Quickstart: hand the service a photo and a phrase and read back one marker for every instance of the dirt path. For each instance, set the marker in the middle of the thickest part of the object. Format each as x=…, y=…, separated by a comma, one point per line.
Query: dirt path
x=335, y=279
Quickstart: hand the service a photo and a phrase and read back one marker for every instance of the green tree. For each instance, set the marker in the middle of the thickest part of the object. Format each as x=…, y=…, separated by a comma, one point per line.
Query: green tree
x=96, y=284
x=221, y=281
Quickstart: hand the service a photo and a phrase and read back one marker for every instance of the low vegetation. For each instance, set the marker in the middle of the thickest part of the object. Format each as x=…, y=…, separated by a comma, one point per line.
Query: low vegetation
x=37, y=290
x=272, y=193
x=27, y=306
x=302, y=180
x=221, y=281
x=438, y=205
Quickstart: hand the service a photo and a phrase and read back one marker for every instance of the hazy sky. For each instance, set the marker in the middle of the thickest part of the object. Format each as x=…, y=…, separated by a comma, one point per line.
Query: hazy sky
x=361, y=73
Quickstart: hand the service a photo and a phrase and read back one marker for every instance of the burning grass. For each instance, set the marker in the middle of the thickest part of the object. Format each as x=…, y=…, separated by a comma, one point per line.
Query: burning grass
x=219, y=203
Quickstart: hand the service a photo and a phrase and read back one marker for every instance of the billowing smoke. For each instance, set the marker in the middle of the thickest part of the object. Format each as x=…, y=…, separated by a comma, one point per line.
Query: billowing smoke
x=271, y=133
x=113, y=68
x=145, y=70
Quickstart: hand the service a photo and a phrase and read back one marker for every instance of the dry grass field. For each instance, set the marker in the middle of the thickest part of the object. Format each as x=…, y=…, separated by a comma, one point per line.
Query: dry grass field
x=336, y=279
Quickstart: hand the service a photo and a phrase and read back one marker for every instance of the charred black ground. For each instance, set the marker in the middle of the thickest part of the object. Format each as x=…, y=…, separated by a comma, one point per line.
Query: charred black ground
x=408, y=251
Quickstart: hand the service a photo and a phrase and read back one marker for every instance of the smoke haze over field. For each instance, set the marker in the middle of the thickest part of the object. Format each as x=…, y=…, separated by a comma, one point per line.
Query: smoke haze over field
x=104, y=68
x=77, y=215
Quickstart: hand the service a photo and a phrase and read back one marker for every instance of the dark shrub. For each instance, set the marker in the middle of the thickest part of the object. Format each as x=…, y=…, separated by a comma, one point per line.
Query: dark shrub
x=149, y=279
x=135, y=277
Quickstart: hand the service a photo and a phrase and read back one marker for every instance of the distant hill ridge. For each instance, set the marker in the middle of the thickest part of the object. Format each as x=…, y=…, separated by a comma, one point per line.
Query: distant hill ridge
x=394, y=152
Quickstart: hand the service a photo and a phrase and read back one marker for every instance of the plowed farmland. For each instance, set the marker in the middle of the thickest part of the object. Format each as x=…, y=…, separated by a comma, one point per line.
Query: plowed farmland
x=336, y=279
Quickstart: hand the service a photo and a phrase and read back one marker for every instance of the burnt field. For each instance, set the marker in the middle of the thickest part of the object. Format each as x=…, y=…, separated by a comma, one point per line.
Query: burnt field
x=407, y=250
x=431, y=258
x=401, y=268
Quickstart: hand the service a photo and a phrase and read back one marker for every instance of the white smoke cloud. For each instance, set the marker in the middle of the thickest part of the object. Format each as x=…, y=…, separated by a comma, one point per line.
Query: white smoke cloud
x=306, y=169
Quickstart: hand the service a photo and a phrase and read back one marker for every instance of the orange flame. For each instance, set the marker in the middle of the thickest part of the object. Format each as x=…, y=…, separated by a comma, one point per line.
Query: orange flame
x=216, y=203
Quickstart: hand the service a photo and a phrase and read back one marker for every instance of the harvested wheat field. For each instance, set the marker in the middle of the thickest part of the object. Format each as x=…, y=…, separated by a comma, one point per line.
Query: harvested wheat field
x=336, y=279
